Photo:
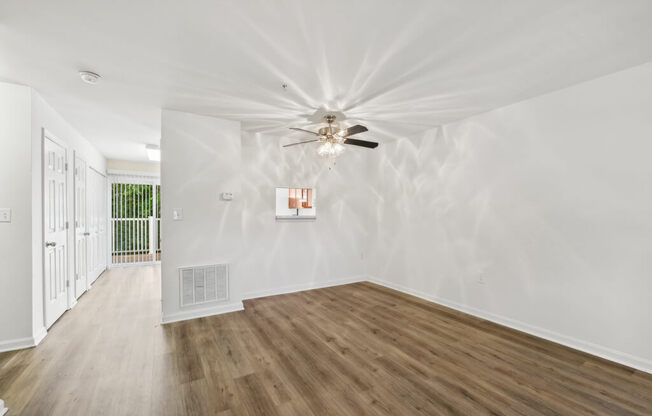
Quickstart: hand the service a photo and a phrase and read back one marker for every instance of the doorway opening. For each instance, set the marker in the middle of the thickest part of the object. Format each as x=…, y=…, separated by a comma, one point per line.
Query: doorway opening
x=135, y=220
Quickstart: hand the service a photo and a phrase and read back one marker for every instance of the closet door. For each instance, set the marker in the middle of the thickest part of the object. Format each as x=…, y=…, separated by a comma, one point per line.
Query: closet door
x=96, y=224
x=55, y=232
x=103, y=224
x=81, y=234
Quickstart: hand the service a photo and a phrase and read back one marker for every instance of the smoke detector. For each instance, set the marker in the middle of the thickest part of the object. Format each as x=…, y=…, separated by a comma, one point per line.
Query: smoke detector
x=89, y=77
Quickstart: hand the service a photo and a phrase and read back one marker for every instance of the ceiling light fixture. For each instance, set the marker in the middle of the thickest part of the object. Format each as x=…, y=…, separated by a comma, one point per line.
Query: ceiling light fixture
x=333, y=139
x=89, y=77
x=153, y=152
x=330, y=149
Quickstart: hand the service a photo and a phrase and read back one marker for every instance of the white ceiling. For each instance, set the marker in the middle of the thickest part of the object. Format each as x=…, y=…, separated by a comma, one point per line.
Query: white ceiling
x=398, y=67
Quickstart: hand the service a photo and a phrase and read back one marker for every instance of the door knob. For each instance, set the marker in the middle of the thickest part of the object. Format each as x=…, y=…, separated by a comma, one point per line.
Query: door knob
x=50, y=243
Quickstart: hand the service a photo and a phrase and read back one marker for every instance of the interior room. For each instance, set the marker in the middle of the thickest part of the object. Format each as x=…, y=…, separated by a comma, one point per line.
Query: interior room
x=326, y=208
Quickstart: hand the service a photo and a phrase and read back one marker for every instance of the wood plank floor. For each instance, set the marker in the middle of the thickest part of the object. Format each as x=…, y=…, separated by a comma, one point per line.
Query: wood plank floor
x=358, y=349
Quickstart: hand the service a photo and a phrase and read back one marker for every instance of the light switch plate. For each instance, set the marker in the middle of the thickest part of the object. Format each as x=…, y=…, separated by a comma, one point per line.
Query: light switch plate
x=177, y=214
x=5, y=214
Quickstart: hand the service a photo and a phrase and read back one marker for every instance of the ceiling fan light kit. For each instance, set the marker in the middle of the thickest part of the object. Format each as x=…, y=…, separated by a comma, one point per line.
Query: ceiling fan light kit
x=330, y=149
x=333, y=139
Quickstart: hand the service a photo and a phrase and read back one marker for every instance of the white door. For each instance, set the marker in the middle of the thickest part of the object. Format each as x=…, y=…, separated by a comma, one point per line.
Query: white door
x=96, y=224
x=81, y=255
x=102, y=224
x=92, y=234
x=55, y=255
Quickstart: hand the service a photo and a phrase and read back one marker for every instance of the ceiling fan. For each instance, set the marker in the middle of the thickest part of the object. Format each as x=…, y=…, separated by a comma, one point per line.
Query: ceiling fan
x=333, y=139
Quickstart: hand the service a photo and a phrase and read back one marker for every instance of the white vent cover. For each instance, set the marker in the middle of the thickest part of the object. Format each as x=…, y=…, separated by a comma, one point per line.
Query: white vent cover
x=203, y=284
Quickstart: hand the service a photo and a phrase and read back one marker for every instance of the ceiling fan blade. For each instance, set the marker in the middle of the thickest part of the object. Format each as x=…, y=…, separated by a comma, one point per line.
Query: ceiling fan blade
x=362, y=143
x=354, y=130
x=306, y=141
x=305, y=131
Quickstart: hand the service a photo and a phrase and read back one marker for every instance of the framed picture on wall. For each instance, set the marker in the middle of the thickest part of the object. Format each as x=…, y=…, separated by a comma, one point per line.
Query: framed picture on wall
x=296, y=203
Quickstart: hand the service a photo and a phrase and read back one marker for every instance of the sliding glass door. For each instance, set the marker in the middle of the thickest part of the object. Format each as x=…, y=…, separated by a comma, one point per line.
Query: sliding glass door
x=135, y=220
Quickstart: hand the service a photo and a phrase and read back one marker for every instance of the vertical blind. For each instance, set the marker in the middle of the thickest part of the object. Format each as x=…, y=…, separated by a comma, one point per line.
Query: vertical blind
x=135, y=220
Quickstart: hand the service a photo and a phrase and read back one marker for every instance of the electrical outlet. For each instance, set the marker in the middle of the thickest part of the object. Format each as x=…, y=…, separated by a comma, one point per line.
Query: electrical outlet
x=5, y=214
x=177, y=214
x=481, y=280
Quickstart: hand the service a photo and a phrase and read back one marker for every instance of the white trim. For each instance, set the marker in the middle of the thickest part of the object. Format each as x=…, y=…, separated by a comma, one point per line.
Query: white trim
x=38, y=337
x=16, y=344
x=203, y=312
x=588, y=347
x=132, y=174
x=3, y=409
x=22, y=343
x=72, y=294
x=303, y=286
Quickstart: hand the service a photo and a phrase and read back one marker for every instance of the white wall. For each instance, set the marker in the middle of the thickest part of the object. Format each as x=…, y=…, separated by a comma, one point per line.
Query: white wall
x=548, y=202
x=200, y=157
x=15, y=237
x=204, y=156
x=287, y=255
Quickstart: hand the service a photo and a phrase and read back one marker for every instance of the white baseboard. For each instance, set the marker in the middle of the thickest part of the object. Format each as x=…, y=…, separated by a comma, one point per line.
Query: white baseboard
x=203, y=312
x=16, y=344
x=585, y=346
x=38, y=337
x=303, y=286
x=22, y=343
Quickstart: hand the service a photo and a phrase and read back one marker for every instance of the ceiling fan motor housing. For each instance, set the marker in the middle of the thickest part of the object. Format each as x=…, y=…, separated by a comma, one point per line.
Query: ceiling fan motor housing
x=330, y=132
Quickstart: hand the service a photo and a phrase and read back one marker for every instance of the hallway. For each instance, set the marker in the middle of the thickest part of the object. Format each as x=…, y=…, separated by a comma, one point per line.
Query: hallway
x=99, y=357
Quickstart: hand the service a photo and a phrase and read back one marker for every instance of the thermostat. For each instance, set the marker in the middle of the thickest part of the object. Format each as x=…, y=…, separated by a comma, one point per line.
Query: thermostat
x=227, y=196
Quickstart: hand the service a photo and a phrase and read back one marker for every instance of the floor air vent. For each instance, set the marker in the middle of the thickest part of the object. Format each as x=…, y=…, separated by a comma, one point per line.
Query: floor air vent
x=203, y=284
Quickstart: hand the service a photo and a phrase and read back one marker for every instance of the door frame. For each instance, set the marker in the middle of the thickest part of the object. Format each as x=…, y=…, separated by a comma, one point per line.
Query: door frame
x=100, y=193
x=47, y=135
x=74, y=227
